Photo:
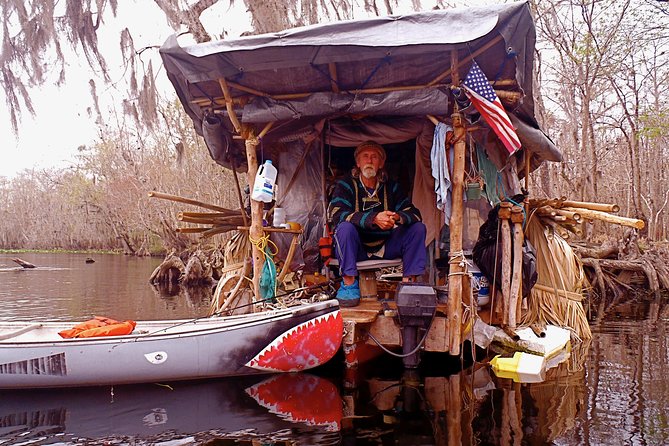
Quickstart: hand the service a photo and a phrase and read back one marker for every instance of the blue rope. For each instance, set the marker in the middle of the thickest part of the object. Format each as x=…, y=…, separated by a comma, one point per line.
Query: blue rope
x=211, y=98
x=510, y=53
x=326, y=75
x=507, y=198
x=386, y=59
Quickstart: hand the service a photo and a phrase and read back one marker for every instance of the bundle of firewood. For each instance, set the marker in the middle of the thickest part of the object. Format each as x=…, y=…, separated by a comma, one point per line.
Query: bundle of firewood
x=218, y=221
x=565, y=216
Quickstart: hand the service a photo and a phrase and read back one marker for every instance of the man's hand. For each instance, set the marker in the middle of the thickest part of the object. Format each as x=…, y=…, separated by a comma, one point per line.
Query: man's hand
x=386, y=220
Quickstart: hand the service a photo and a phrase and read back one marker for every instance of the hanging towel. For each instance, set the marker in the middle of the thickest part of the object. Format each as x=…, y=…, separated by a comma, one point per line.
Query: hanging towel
x=440, y=171
x=489, y=172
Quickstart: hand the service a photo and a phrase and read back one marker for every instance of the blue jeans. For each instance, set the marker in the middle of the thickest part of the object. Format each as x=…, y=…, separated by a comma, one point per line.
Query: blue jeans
x=407, y=242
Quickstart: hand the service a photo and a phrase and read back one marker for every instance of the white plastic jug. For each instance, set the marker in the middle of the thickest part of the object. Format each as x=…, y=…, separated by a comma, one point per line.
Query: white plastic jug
x=263, y=187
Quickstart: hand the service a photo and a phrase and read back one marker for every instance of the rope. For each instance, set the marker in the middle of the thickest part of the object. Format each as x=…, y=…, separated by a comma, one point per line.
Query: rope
x=268, y=274
x=404, y=355
x=326, y=75
x=386, y=60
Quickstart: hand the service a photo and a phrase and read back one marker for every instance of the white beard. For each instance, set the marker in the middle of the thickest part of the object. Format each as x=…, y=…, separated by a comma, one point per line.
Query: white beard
x=369, y=172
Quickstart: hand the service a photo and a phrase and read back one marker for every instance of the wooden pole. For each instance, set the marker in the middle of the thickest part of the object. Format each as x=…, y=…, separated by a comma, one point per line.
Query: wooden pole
x=504, y=216
x=604, y=207
x=603, y=216
x=332, y=68
x=154, y=194
x=256, y=229
x=527, y=181
x=467, y=58
x=456, y=257
x=517, y=270
x=454, y=411
x=229, y=105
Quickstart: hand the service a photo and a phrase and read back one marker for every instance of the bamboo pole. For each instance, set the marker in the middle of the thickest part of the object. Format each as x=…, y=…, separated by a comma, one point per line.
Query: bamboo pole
x=289, y=258
x=239, y=195
x=469, y=57
x=191, y=230
x=246, y=89
x=573, y=229
x=570, y=215
x=504, y=216
x=517, y=271
x=265, y=129
x=255, y=229
x=217, y=230
x=281, y=230
x=527, y=181
x=229, y=105
x=546, y=211
x=332, y=68
x=609, y=218
x=154, y=194
x=219, y=100
x=230, y=213
x=456, y=269
x=236, y=219
x=592, y=206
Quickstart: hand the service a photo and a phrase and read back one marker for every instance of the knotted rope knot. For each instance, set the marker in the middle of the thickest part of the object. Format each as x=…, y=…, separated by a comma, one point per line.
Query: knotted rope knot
x=459, y=258
x=263, y=243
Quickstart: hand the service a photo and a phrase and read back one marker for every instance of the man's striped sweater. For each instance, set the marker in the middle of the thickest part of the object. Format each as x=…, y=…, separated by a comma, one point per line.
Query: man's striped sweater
x=351, y=202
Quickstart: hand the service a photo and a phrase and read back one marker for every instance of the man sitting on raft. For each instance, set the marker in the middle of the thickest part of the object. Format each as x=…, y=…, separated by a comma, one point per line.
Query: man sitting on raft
x=373, y=218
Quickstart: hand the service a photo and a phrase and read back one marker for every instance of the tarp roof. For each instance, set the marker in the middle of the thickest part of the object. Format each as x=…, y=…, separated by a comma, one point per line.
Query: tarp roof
x=385, y=66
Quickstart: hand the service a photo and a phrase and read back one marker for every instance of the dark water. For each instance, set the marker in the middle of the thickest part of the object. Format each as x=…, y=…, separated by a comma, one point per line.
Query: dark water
x=613, y=390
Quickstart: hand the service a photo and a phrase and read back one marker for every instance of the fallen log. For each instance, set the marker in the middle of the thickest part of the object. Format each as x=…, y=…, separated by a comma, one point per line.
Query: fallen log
x=640, y=266
x=23, y=263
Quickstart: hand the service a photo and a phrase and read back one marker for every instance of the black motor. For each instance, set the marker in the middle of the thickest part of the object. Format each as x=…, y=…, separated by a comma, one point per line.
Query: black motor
x=416, y=306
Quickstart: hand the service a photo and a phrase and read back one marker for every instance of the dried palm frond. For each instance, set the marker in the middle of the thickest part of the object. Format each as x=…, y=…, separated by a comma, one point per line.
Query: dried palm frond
x=233, y=275
x=556, y=297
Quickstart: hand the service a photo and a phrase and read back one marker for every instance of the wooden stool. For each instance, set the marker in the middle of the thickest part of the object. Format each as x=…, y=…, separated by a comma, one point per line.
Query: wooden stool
x=367, y=274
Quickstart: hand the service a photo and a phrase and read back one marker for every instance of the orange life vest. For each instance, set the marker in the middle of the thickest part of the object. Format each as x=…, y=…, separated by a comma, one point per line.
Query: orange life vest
x=99, y=326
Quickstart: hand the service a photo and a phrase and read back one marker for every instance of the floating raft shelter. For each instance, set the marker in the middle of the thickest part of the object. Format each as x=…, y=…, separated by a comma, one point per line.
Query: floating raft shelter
x=305, y=97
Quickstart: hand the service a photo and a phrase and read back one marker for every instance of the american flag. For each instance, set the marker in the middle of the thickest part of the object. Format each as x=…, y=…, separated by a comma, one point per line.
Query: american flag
x=487, y=103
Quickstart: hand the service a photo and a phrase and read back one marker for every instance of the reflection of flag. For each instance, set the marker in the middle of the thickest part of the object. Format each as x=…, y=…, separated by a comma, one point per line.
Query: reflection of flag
x=487, y=103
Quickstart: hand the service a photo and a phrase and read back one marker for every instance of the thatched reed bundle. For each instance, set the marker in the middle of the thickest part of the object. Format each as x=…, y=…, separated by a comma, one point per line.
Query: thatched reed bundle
x=557, y=295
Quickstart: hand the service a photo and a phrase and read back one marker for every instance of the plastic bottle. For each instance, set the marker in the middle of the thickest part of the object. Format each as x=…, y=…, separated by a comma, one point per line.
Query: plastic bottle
x=279, y=217
x=263, y=186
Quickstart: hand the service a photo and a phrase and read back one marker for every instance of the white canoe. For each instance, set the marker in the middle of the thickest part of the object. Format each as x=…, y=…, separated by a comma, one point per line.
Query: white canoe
x=33, y=355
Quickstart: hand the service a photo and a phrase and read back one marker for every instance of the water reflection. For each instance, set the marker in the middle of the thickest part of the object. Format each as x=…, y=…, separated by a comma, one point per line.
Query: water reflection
x=197, y=298
x=241, y=409
x=469, y=407
x=613, y=391
x=65, y=287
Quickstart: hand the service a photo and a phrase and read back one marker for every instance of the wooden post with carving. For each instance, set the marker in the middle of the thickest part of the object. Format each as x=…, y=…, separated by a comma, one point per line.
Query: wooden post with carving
x=457, y=261
x=517, y=269
x=505, y=228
